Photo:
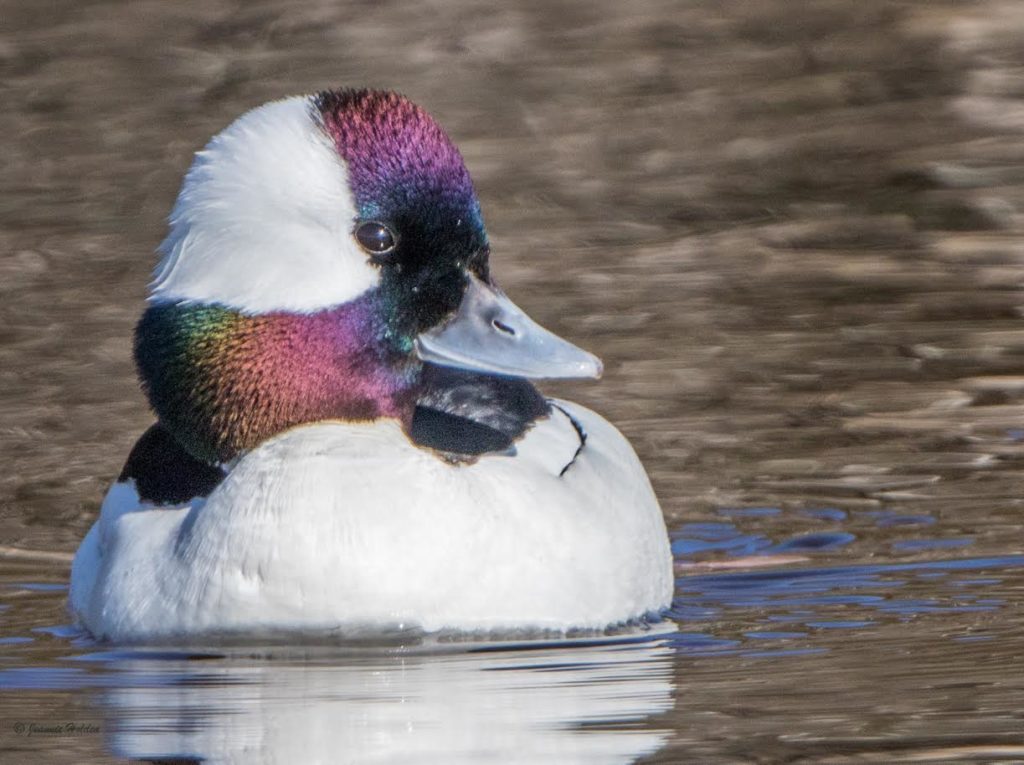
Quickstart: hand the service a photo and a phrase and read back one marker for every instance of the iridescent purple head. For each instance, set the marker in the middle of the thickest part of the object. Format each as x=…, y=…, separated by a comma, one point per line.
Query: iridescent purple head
x=407, y=177
x=397, y=155
x=321, y=250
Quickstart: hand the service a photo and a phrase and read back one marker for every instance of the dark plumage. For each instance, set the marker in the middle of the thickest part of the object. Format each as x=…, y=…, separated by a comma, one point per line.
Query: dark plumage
x=464, y=413
x=166, y=474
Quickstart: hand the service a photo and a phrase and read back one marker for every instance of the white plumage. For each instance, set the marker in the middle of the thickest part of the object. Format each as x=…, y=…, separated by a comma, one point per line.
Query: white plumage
x=334, y=526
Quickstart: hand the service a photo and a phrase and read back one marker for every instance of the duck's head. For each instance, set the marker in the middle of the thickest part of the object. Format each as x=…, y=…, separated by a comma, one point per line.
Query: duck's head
x=320, y=251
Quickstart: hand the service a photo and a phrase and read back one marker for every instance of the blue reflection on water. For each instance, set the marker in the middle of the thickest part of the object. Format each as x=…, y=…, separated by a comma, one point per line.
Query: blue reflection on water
x=807, y=598
x=887, y=518
x=818, y=542
x=695, y=539
x=820, y=598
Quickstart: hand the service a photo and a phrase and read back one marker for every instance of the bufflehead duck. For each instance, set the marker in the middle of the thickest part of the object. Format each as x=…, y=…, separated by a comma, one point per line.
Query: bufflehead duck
x=346, y=436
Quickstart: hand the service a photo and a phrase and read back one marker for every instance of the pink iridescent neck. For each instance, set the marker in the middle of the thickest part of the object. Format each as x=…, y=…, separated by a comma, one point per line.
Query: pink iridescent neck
x=223, y=382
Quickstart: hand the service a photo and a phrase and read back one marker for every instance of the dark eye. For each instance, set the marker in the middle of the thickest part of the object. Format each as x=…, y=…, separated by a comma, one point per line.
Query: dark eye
x=375, y=238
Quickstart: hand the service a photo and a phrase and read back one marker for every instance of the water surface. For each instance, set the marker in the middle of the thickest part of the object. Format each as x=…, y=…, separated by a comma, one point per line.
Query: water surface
x=794, y=238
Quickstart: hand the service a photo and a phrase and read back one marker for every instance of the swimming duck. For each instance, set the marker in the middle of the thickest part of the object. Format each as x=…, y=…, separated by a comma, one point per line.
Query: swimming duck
x=346, y=434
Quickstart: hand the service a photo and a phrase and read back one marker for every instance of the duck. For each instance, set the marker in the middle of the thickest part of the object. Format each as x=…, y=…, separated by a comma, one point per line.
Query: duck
x=348, y=435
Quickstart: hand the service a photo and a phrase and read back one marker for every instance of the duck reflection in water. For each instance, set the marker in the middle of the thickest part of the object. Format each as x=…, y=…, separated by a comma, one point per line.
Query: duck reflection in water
x=561, y=703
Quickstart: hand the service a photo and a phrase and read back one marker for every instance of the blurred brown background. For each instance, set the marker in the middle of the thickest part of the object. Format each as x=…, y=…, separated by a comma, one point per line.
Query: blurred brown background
x=791, y=230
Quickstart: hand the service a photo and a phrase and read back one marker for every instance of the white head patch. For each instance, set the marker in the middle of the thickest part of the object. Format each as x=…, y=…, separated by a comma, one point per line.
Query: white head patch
x=263, y=220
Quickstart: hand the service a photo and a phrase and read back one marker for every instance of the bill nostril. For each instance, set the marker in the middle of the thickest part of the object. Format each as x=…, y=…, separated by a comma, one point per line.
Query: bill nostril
x=502, y=327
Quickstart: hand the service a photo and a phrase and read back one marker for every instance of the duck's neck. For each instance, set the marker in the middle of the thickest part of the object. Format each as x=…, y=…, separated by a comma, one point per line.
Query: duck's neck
x=222, y=381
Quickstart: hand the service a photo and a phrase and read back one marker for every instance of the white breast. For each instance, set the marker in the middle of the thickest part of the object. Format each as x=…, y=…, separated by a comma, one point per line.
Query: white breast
x=341, y=525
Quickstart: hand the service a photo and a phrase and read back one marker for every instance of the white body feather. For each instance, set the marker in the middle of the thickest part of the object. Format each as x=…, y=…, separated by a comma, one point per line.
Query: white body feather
x=346, y=525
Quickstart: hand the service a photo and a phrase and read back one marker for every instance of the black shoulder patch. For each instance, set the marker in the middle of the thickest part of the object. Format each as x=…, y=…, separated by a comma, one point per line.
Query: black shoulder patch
x=457, y=435
x=166, y=474
x=464, y=413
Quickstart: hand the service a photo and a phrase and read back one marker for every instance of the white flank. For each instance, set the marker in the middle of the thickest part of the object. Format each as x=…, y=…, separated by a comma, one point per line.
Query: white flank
x=263, y=220
x=346, y=526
